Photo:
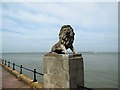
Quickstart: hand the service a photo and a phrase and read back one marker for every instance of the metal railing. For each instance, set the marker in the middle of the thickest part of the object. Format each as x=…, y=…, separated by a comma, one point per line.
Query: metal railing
x=34, y=71
x=8, y=63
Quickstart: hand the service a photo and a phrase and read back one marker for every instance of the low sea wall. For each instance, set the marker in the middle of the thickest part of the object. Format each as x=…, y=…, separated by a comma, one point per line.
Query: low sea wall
x=23, y=78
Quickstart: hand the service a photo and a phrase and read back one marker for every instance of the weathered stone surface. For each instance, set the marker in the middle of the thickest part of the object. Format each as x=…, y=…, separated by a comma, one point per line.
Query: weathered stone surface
x=63, y=71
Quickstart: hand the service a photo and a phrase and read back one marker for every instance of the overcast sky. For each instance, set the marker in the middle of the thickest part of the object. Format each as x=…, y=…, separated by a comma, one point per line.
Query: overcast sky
x=34, y=27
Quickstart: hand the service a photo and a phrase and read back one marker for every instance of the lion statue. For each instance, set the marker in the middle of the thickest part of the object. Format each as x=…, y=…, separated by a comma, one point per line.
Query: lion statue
x=66, y=38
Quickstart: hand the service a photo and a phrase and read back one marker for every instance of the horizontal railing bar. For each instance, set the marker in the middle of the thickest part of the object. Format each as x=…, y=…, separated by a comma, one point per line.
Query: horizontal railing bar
x=23, y=67
x=27, y=69
x=6, y=61
x=32, y=71
x=17, y=65
x=11, y=63
x=40, y=73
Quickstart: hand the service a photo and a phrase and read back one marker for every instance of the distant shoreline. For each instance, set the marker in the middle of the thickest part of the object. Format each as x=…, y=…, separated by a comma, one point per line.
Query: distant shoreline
x=48, y=52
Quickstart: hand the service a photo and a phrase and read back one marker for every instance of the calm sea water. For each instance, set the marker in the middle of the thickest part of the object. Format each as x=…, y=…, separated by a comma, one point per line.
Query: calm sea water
x=100, y=69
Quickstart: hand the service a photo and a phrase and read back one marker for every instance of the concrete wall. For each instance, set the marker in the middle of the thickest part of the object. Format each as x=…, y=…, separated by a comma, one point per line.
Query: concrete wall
x=63, y=71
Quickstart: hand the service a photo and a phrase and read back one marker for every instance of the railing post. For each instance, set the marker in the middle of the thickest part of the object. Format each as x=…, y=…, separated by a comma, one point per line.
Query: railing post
x=8, y=63
x=20, y=69
x=35, y=80
x=13, y=66
x=5, y=62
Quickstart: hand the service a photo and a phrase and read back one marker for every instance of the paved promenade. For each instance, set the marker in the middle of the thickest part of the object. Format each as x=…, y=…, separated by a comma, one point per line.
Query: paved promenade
x=10, y=81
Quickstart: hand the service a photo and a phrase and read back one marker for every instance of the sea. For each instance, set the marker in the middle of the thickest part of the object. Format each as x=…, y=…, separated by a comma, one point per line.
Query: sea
x=100, y=69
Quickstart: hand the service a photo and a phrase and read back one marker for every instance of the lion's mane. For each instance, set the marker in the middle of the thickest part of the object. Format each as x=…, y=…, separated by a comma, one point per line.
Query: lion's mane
x=66, y=36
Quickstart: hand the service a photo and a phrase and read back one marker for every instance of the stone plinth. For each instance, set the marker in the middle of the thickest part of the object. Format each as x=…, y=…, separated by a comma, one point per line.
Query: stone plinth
x=63, y=71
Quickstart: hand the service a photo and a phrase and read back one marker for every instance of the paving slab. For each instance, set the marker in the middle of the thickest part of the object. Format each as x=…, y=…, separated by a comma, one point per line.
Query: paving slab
x=10, y=81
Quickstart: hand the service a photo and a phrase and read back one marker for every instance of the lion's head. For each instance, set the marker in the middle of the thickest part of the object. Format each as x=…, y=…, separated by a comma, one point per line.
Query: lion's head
x=66, y=36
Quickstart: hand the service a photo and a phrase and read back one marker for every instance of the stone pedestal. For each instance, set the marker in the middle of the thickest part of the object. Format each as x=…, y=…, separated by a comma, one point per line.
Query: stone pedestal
x=63, y=71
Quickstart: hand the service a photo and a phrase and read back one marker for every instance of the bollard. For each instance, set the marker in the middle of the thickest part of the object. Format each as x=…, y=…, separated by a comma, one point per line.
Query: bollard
x=9, y=64
x=13, y=66
x=20, y=69
x=5, y=62
x=35, y=80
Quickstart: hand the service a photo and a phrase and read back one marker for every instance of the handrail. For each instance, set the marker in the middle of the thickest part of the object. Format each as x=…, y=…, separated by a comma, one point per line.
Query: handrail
x=79, y=87
x=8, y=63
x=27, y=69
x=32, y=71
